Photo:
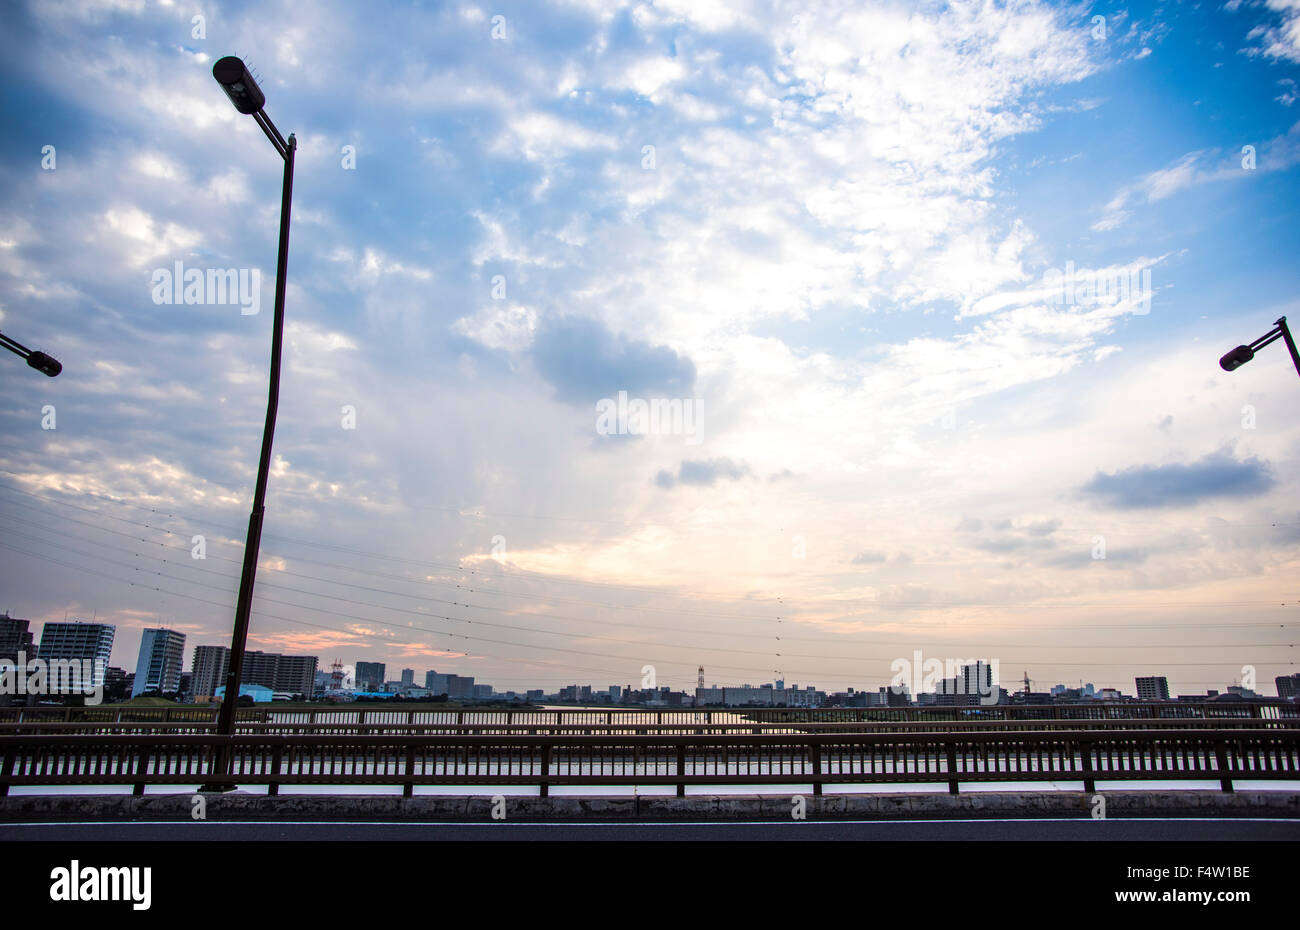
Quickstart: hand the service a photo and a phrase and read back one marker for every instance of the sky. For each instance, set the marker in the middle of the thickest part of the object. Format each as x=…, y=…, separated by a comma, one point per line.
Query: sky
x=927, y=299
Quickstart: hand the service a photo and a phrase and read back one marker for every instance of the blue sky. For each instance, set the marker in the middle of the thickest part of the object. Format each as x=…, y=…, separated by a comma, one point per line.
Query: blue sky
x=830, y=226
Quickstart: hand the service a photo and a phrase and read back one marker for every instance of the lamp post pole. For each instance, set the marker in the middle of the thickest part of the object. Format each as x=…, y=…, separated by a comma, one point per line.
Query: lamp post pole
x=243, y=91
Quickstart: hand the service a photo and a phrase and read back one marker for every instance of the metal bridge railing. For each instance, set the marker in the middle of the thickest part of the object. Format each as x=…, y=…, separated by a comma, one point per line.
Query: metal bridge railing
x=1223, y=754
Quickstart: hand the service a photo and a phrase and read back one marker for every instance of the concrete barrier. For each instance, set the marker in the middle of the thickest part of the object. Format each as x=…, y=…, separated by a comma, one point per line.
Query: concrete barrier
x=242, y=806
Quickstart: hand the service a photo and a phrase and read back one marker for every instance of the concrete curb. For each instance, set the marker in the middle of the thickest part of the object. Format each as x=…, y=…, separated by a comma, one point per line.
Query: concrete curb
x=240, y=806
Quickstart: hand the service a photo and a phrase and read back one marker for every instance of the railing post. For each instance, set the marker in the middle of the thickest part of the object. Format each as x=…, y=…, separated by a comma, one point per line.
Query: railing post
x=276, y=760
x=1221, y=760
x=815, y=753
x=1089, y=782
x=137, y=790
x=951, y=747
x=408, y=786
x=681, y=770
x=546, y=768
x=7, y=770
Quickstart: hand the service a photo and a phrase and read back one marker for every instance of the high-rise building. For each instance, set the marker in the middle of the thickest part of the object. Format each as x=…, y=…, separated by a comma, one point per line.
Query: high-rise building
x=1153, y=688
x=370, y=676
x=288, y=674
x=79, y=640
x=296, y=675
x=211, y=665
x=454, y=686
x=15, y=637
x=1288, y=686
x=408, y=678
x=162, y=652
x=260, y=668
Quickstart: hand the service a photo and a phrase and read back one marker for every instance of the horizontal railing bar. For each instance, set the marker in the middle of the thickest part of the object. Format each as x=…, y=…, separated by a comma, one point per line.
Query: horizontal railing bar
x=866, y=726
x=638, y=739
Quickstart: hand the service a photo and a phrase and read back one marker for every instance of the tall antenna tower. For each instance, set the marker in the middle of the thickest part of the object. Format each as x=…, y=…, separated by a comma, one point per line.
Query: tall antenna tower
x=700, y=681
x=336, y=675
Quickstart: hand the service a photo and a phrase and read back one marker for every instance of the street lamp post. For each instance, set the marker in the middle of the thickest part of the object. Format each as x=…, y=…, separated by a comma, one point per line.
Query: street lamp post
x=1243, y=354
x=238, y=83
x=45, y=364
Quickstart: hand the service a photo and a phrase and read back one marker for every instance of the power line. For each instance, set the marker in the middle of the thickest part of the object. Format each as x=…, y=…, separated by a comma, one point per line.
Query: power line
x=743, y=669
x=1076, y=606
x=728, y=650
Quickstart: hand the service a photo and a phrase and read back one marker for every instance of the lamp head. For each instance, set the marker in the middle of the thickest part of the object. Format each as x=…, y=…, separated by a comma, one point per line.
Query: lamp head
x=45, y=364
x=1236, y=358
x=238, y=83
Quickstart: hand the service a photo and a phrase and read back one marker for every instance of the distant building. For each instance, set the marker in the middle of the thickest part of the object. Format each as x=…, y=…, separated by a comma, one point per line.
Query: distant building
x=278, y=673
x=295, y=675
x=259, y=694
x=211, y=665
x=749, y=696
x=15, y=637
x=370, y=676
x=454, y=686
x=162, y=652
x=1288, y=686
x=482, y=692
x=79, y=640
x=117, y=685
x=408, y=678
x=1153, y=688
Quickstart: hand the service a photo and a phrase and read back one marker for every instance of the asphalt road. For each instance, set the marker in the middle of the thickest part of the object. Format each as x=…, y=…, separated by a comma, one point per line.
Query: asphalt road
x=1147, y=829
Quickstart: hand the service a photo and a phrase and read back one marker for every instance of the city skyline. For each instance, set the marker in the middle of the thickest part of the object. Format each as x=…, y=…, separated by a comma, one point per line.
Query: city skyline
x=208, y=662
x=787, y=341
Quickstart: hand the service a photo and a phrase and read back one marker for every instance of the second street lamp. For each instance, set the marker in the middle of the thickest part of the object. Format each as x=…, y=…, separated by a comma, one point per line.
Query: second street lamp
x=1243, y=354
x=239, y=85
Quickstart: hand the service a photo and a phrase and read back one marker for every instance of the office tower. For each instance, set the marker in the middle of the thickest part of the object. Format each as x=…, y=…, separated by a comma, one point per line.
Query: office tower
x=408, y=678
x=162, y=653
x=78, y=640
x=1153, y=688
x=370, y=676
